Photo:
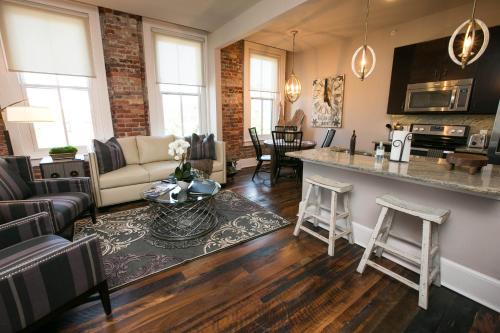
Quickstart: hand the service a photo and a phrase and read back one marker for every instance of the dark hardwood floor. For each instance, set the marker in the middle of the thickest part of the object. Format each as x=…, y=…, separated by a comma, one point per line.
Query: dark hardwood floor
x=277, y=283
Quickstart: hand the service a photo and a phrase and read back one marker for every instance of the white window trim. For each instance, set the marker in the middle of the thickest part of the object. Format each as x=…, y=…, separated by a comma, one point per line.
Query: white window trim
x=22, y=135
x=269, y=51
x=154, y=96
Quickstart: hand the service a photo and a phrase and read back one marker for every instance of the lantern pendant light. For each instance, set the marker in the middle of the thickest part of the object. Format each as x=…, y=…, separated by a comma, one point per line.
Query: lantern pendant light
x=468, y=56
x=292, y=85
x=359, y=58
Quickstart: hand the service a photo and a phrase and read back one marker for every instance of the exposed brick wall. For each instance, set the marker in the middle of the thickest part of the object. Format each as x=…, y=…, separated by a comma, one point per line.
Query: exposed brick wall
x=125, y=70
x=232, y=62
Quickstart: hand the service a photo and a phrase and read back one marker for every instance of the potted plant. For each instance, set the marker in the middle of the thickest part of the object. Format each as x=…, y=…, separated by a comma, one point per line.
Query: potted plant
x=59, y=153
x=183, y=173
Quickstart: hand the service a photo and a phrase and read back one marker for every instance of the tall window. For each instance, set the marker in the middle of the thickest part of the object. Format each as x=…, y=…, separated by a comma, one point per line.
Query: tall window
x=263, y=92
x=264, y=73
x=53, y=57
x=68, y=98
x=180, y=82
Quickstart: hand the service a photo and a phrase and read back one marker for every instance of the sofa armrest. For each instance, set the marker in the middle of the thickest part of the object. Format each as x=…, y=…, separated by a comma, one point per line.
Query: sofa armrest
x=26, y=228
x=60, y=276
x=94, y=178
x=16, y=209
x=60, y=185
x=220, y=152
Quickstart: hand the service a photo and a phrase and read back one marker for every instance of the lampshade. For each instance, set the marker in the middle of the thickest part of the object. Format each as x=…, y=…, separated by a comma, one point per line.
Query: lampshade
x=292, y=88
x=28, y=114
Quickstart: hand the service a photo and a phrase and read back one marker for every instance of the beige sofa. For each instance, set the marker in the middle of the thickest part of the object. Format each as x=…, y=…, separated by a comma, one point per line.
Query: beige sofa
x=147, y=161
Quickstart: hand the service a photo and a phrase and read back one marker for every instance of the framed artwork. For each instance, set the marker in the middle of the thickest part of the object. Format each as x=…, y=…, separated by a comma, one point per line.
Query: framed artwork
x=328, y=101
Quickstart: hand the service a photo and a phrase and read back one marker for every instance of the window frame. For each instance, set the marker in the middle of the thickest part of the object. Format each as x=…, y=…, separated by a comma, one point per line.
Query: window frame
x=11, y=89
x=156, y=120
x=268, y=51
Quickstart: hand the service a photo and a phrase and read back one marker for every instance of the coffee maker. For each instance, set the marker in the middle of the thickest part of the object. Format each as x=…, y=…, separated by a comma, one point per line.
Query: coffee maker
x=494, y=147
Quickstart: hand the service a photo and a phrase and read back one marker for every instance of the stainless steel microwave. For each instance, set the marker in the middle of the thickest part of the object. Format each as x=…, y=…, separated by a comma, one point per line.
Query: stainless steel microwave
x=440, y=96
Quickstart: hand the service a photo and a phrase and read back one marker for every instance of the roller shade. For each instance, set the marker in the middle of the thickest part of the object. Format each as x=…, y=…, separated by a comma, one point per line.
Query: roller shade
x=41, y=39
x=178, y=60
x=263, y=73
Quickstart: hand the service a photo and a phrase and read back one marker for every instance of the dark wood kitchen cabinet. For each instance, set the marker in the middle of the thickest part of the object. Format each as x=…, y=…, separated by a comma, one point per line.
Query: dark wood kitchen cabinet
x=429, y=61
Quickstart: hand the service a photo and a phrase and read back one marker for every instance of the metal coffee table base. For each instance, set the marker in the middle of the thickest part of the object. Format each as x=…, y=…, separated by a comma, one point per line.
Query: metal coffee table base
x=183, y=221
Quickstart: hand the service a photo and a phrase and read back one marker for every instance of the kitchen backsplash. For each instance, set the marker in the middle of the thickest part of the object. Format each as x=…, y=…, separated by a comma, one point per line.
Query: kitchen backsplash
x=476, y=122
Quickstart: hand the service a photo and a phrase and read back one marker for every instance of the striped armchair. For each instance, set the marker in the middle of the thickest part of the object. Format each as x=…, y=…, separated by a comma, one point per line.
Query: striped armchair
x=42, y=274
x=64, y=199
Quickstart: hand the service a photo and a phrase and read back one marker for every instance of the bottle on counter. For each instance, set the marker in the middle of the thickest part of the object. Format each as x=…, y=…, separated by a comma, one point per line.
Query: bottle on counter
x=352, y=148
x=380, y=152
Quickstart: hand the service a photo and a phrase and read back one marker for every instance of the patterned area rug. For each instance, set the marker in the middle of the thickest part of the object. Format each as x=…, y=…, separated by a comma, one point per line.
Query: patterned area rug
x=131, y=253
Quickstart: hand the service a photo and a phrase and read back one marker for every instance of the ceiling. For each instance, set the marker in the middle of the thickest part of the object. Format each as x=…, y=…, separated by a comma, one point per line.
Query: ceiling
x=201, y=14
x=319, y=20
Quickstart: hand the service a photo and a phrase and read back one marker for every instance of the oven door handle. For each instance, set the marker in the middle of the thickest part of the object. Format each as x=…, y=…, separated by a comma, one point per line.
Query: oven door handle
x=453, y=98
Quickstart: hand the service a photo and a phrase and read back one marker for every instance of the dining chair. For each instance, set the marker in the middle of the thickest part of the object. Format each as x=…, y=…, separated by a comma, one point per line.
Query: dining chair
x=286, y=128
x=328, y=138
x=258, y=153
x=283, y=143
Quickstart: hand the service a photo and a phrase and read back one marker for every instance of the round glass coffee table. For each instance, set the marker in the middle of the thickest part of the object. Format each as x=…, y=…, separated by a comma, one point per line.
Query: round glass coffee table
x=181, y=214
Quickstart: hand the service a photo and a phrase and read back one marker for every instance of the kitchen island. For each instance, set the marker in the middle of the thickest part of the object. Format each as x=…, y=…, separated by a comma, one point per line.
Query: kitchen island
x=469, y=239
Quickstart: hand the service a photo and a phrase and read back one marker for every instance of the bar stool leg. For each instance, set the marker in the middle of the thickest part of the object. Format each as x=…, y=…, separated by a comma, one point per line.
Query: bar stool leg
x=333, y=223
x=436, y=260
x=302, y=211
x=373, y=238
x=424, y=266
x=348, y=220
x=385, y=234
x=317, y=207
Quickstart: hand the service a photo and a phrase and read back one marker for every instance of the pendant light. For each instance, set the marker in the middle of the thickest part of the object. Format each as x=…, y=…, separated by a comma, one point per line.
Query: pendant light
x=359, y=58
x=292, y=85
x=468, y=56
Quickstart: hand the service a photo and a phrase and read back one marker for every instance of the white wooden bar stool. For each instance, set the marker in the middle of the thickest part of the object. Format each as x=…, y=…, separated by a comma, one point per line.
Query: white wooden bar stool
x=431, y=218
x=310, y=209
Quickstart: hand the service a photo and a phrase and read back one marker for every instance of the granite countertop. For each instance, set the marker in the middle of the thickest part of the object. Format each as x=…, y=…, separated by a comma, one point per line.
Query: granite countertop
x=421, y=170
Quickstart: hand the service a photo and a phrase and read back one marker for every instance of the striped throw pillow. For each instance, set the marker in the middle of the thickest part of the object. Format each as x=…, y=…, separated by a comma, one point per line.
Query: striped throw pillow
x=109, y=155
x=12, y=185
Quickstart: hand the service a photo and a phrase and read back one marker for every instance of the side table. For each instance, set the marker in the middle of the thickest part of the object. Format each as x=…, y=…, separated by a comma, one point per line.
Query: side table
x=66, y=168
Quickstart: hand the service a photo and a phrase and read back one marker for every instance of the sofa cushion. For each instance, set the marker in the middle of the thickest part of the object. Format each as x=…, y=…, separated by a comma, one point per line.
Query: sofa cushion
x=32, y=248
x=154, y=148
x=160, y=170
x=128, y=175
x=12, y=186
x=109, y=155
x=67, y=205
x=217, y=166
x=129, y=148
x=202, y=147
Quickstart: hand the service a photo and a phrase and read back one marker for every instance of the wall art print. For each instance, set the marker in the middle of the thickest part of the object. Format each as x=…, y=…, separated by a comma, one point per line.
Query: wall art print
x=328, y=101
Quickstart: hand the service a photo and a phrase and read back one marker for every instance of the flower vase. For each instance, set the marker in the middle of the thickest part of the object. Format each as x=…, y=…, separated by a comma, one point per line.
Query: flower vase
x=183, y=185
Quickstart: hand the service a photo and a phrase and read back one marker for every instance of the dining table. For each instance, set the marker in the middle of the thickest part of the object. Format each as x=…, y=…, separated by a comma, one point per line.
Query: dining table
x=268, y=143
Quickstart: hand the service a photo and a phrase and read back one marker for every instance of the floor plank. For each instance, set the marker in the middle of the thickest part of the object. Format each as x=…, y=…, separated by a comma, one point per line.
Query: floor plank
x=276, y=283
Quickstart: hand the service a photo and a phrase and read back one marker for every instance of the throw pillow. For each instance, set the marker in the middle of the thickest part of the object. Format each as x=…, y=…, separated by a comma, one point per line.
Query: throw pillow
x=109, y=155
x=12, y=185
x=202, y=147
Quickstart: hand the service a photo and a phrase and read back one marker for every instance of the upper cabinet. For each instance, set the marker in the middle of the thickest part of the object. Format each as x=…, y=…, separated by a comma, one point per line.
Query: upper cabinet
x=429, y=61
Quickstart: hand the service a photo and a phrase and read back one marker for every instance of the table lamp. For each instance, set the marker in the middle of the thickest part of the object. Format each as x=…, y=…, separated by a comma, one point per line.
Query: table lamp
x=23, y=114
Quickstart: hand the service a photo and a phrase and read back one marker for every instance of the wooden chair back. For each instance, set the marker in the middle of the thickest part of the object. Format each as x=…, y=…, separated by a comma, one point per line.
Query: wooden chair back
x=255, y=142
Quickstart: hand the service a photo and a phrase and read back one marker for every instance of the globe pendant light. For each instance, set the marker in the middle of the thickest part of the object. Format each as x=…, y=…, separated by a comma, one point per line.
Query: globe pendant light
x=292, y=85
x=359, y=58
x=468, y=56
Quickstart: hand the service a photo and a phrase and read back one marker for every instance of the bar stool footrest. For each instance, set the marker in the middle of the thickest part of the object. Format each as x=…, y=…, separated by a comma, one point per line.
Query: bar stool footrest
x=396, y=276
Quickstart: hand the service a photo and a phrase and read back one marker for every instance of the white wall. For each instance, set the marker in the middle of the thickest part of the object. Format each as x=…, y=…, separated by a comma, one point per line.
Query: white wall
x=365, y=103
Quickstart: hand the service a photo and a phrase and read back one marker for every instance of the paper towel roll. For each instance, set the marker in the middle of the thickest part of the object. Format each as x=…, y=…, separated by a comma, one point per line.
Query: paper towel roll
x=401, y=141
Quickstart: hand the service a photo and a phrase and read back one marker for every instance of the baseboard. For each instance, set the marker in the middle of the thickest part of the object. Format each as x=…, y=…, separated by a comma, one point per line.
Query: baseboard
x=246, y=162
x=472, y=284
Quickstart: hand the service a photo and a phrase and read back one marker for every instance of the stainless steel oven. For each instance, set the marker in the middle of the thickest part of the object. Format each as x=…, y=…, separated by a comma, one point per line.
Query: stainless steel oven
x=440, y=96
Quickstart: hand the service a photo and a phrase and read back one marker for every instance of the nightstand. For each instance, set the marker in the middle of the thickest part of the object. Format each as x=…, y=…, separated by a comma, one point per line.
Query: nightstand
x=66, y=168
